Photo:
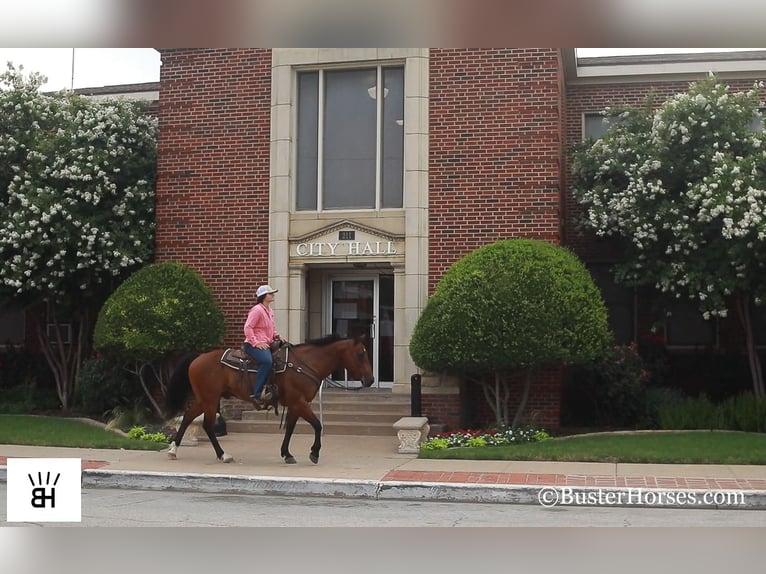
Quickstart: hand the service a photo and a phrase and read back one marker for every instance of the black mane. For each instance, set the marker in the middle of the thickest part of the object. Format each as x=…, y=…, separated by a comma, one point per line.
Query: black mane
x=326, y=340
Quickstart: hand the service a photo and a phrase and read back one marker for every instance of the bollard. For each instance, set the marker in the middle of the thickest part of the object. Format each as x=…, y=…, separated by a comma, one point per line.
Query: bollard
x=415, y=396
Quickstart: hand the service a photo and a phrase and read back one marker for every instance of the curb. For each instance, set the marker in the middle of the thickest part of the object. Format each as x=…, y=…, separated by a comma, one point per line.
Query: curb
x=543, y=496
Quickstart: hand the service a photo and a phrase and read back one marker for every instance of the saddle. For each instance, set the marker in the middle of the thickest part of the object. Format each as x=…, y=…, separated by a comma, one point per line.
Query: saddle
x=239, y=360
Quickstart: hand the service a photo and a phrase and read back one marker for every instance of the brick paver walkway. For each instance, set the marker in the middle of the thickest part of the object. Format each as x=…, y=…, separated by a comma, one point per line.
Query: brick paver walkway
x=533, y=479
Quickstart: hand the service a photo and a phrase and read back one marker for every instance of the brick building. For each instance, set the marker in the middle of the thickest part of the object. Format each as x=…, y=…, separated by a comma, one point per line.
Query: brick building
x=351, y=179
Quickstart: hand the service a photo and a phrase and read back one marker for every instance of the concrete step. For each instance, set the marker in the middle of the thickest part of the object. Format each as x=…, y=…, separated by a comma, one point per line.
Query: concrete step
x=343, y=416
x=370, y=412
x=271, y=425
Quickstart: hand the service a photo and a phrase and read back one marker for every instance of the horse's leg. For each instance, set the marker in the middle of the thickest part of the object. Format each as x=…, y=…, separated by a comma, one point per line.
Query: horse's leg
x=293, y=414
x=309, y=416
x=192, y=412
x=290, y=419
x=208, y=423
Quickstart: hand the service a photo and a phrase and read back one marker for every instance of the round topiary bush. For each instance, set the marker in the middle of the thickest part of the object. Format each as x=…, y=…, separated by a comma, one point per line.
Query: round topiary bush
x=161, y=309
x=511, y=305
x=514, y=305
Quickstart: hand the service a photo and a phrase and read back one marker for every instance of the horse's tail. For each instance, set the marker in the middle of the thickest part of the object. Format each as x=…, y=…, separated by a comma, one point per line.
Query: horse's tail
x=179, y=388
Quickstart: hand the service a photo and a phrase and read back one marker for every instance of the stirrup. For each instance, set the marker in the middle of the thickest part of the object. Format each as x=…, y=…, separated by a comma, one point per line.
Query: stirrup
x=259, y=404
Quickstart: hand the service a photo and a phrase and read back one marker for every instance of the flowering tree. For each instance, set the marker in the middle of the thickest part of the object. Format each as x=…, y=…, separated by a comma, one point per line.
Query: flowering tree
x=76, y=201
x=684, y=185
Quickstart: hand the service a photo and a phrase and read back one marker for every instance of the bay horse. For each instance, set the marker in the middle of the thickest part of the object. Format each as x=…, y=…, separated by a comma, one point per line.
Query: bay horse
x=199, y=382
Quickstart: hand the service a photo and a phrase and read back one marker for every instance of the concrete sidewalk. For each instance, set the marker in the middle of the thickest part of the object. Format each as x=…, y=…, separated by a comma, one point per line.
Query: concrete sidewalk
x=371, y=467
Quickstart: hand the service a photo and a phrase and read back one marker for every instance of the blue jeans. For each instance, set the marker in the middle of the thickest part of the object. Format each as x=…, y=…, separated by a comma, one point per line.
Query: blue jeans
x=263, y=358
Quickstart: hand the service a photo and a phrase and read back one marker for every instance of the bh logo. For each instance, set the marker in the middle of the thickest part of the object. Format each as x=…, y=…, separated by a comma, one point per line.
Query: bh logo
x=40, y=494
x=44, y=489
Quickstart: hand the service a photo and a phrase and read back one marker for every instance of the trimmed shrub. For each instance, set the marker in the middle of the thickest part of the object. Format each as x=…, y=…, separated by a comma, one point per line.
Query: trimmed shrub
x=511, y=305
x=161, y=309
x=102, y=386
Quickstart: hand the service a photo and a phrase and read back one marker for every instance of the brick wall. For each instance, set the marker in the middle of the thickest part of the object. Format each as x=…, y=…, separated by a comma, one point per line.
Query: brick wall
x=470, y=409
x=213, y=171
x=495, y=146
x=495, y=150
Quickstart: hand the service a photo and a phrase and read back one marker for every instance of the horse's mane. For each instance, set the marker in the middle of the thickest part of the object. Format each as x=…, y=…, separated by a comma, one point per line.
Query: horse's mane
x=326, y=340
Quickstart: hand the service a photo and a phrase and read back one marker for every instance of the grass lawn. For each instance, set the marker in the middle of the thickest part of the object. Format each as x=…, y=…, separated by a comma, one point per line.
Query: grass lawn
x=58, y=431
x=687, y=447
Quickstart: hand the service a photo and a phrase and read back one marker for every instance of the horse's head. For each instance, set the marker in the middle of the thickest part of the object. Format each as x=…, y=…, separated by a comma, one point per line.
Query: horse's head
x=356, y=361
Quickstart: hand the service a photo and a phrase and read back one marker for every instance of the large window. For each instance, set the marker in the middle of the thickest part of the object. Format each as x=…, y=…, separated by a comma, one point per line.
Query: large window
x=11, y=325
x=350, y=139
x=620, y=302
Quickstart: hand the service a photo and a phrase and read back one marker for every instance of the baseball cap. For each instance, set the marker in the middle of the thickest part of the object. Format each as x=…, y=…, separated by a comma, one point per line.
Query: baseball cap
x=263, y=290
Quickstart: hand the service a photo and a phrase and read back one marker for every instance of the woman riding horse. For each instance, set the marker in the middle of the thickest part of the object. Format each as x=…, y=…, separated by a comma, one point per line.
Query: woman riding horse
x=200, y=381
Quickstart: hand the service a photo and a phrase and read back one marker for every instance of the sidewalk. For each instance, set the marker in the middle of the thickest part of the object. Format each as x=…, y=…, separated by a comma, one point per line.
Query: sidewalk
x=371, y=467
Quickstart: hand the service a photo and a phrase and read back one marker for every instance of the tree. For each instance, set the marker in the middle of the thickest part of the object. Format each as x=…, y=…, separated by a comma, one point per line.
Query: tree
x=159, y=312
x=76, y=202
x=684, y=187
x=514, y=305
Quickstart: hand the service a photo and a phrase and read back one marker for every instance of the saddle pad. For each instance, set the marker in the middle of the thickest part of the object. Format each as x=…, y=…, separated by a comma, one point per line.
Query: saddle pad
x=239, y=360
x=236, y=359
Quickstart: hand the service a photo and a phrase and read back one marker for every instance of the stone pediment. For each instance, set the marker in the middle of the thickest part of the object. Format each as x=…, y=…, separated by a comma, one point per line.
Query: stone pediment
x=331, y=233
x=346, y=239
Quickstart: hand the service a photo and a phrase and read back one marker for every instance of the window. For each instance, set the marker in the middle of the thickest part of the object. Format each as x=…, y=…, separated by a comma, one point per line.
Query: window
x=619, y=301
x=350, y=139
x=757, y=123
x=686, y=327
x=11, y=325
x=596, y=125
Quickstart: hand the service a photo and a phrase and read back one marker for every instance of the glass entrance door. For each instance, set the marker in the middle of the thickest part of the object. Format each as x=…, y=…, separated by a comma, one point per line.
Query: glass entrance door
x=365, y=305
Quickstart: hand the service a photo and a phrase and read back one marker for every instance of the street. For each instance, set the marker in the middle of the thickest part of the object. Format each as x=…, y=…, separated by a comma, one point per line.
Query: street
x=124, y=507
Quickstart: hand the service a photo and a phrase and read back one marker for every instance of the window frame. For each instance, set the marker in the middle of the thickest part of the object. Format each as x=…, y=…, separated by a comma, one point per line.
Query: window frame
x=319, y=206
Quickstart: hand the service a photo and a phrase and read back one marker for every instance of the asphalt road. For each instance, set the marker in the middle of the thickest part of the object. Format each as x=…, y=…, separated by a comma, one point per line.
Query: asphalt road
x=125, y=507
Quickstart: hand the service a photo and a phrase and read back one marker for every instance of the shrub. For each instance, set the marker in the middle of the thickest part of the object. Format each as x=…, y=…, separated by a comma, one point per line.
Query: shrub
x=610, y=391
x=102, y=386
x=690, y=413
x=161, y=309
x=23, y=399
x=656, y=399
x=139, y=433
x=511, y=305
x=127, y=417
x=743, y=412
x=514, y=305
x=19, y=366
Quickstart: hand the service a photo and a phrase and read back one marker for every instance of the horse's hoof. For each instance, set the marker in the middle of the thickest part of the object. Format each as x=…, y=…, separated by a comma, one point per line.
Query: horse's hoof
x=314, y=458
x=290, y=460
x=172, y=449
x=227, y=458
x=171, y=455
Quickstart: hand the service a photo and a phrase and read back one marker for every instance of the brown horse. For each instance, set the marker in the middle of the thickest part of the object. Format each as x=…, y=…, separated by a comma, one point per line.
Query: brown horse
x=307, y=366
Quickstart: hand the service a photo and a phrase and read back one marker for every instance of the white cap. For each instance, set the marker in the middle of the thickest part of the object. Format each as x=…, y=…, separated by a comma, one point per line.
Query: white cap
x=264, y=290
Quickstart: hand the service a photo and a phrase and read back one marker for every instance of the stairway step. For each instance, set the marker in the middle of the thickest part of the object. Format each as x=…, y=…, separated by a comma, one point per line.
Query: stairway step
x=271, y=426
x=342, y=416
x=355, y=412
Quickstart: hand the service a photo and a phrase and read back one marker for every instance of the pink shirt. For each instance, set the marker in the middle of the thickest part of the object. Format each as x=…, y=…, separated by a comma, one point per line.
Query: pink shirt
x=259, y=327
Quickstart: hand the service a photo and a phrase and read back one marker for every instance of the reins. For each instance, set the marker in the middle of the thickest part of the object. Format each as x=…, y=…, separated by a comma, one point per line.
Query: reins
x=305, y=370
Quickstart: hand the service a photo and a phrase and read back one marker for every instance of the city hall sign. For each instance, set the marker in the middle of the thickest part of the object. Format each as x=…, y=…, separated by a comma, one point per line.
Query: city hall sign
x=345, y=240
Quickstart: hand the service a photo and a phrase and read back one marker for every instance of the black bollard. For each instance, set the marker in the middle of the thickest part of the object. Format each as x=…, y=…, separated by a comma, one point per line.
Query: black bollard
x=415, y=396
